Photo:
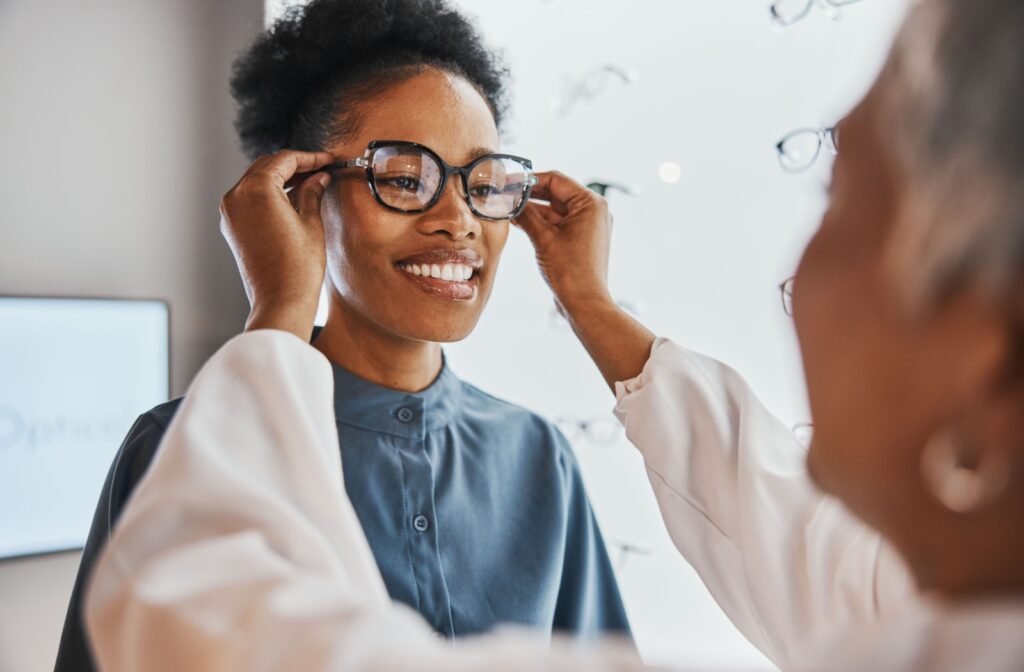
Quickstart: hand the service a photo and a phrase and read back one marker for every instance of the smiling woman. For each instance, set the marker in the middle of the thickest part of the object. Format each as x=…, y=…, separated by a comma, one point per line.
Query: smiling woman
x=405, y=91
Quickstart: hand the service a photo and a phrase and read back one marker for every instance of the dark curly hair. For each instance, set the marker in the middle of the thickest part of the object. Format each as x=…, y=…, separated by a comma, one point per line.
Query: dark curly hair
x=297, y=85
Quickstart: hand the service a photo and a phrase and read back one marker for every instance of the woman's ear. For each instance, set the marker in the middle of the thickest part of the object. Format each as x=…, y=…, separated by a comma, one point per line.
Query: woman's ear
x=992, y=425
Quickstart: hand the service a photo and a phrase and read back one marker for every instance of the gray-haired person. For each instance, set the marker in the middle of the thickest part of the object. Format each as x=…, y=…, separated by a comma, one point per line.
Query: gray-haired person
x=894, y=543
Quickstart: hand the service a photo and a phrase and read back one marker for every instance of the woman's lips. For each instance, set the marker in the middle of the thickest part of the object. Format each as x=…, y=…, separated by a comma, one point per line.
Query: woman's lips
x=450, y=290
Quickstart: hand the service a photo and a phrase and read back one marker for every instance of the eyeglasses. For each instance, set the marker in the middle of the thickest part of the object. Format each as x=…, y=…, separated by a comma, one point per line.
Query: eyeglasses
x=602, y=430
x=591, y=85
x=786, y=289
x=624, y=549
x=602, y=188
x=787, y=12
x=800, y=149
x=410, y=178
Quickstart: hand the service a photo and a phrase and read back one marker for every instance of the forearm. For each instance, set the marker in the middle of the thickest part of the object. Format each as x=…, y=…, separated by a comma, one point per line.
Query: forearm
x=780, y=558
x=618, y=344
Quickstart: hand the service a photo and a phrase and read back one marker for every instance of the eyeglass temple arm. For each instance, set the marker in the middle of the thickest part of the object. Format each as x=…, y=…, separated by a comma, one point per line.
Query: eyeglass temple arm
x=351, y=163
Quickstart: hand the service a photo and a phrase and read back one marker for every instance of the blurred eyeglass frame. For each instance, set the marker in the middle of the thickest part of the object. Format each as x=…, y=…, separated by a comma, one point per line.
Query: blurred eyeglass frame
x=785, y=19
x=366, y=162
x=786, y=289
x=827, y=137
x=597, y=430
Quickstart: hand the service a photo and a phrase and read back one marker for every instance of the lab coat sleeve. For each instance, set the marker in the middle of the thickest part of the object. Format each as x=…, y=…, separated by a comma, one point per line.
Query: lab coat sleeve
x=782, y=560
x=239, y=549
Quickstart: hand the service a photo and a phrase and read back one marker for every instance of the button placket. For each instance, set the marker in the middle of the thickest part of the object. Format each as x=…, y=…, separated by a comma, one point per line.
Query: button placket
x=433, y=597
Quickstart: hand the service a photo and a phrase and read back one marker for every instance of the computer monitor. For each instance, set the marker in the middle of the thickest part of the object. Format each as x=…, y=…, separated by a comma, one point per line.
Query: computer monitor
x=74, y=375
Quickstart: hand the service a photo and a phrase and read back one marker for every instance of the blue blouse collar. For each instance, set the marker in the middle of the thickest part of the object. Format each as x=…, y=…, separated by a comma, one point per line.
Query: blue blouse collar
x=360, y=403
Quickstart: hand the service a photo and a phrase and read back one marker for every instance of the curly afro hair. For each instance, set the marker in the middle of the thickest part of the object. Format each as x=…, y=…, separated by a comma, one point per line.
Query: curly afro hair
x=297, y=85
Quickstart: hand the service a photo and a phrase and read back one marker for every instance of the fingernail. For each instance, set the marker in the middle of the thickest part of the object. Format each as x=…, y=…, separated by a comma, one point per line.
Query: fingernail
x=325, y=179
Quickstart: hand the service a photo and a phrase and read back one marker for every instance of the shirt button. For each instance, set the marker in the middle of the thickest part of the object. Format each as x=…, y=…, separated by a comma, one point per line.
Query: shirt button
x=421, y=523
x=405, y=414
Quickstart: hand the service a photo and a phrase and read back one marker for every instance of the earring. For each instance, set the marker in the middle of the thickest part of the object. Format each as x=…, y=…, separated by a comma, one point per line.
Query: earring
x=959, y=488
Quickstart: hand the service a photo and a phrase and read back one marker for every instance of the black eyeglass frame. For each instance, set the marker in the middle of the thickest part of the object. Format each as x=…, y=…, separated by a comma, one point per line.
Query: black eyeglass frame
x=366, y=162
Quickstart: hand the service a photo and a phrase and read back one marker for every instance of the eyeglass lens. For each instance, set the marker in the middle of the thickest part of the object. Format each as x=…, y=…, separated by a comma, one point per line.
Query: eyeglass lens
x=798, y=151
x=408, y=178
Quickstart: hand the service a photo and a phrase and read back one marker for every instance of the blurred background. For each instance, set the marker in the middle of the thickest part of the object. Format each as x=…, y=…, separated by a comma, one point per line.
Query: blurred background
x=116, y=124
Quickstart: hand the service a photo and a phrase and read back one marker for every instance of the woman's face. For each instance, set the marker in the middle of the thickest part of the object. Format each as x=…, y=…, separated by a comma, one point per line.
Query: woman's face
x=370, y=249
x=880, y=381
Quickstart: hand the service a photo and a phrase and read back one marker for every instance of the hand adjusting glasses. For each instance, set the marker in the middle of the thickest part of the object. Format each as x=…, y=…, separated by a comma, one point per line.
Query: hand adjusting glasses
x=407, y=177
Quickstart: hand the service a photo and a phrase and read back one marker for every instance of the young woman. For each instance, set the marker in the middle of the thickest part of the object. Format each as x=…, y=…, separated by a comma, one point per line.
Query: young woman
x=474, y=508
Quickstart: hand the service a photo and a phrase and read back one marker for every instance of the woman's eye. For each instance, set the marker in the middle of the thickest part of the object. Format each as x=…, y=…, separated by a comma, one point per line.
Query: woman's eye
x=484, y=190
x=402, y=182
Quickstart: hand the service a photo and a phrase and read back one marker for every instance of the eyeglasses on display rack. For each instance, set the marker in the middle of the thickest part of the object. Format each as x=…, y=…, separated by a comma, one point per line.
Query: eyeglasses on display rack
x=602, y=430
x=591, y=85
x=786, y=290
x=799, y=149
x=603, y=188
x=625, y=549
x=787, y=12
x=410, y=178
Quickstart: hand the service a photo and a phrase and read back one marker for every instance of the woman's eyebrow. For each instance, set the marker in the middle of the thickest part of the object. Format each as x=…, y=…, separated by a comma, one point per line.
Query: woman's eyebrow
x=477, y=152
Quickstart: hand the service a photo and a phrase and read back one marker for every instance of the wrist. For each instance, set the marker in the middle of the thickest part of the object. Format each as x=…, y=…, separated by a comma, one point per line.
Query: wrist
x=581, y=301
x=294, y=318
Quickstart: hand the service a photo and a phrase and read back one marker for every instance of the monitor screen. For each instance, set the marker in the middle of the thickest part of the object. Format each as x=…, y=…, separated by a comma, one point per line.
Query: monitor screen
x=74, y=376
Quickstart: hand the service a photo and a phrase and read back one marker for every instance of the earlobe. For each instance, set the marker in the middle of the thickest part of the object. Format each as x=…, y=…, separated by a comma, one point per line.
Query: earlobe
x=962, y=478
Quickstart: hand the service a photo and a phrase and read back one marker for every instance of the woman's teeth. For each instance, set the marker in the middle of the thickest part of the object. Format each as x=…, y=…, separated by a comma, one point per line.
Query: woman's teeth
x=449, y=272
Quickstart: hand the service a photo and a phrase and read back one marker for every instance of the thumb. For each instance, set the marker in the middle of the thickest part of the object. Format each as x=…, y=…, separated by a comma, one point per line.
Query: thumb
x=311, y=192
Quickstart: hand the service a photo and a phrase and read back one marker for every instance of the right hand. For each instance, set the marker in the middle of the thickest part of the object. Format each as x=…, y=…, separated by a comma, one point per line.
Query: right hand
x=277, y=238
x=571, y=235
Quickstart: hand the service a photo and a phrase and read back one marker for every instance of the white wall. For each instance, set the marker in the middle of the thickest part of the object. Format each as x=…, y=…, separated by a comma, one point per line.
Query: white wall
x=115, y=124
x=717, y=87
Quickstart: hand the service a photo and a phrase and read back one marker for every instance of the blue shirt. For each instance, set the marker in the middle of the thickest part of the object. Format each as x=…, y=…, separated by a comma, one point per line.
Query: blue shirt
x=473, y=507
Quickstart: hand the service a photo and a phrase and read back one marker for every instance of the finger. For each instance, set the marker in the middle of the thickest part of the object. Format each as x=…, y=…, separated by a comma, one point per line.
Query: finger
x=311, y=193
x=281, y=167
x=544, y=211
x=558, y=190
x=533, y=222
x=294, y=187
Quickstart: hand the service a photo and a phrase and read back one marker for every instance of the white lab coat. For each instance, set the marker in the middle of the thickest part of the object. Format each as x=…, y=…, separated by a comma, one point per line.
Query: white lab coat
x=239, y=549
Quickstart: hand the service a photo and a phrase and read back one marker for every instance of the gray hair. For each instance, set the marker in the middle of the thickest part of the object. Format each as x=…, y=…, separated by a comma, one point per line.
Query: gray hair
x=956, y=116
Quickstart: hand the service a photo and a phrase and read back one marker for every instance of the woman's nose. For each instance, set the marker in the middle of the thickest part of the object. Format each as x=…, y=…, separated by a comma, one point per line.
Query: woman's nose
x=451, y=215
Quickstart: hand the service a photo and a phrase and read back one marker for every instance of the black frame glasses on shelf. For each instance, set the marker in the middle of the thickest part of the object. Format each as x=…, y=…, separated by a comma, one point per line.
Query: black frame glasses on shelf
x=602, y=188
x=520, y=193
x=787, y=12
x=798, y=150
